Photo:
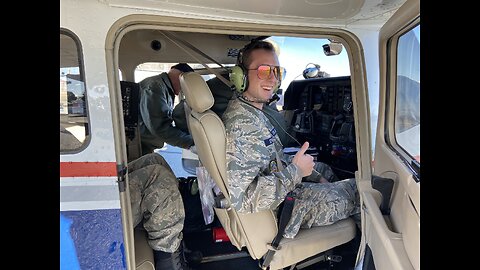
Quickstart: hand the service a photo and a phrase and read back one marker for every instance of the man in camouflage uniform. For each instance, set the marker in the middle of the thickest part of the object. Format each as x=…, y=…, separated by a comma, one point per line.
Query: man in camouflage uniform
x=156, y=200
x=156, y=109
x=259, y=174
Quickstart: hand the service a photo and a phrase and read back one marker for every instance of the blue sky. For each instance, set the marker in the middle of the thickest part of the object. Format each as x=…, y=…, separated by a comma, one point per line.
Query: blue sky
x=409, y=54
x=297, y=53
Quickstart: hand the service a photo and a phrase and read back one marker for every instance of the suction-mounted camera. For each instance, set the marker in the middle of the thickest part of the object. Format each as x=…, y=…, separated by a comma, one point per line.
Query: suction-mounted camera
x=333, y=48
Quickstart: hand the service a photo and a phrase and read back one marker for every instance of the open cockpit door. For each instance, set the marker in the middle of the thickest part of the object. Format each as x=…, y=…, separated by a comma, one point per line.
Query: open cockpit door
x=391, y=225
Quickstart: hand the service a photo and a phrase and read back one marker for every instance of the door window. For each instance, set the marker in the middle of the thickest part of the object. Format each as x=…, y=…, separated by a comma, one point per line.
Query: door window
x=407, y=101
x=74, y=129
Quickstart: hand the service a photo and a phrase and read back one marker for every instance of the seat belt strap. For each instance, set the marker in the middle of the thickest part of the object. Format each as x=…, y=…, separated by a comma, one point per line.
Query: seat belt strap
x=195, y=49
x=174, y=40
x=285, y=216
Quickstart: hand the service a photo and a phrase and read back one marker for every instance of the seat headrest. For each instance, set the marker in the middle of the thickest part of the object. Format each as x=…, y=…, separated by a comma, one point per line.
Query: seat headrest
x=196, y=91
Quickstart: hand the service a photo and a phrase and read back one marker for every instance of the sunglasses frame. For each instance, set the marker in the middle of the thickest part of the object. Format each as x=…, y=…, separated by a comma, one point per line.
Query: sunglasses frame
x=271, y=70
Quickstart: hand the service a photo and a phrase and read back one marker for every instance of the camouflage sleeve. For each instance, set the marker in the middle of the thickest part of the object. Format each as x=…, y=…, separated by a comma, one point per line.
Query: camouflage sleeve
x=157, y=115
x=252, y=188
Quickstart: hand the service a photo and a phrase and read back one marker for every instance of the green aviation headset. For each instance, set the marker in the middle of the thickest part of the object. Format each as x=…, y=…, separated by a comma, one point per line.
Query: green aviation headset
x=239, y=73
x=239, y=78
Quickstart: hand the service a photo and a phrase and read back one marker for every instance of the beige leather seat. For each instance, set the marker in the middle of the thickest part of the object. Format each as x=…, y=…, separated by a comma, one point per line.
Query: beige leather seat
x=143, y=252
x=257, y=230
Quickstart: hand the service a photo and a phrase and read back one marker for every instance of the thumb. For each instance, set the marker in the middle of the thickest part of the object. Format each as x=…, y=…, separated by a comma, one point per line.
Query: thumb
x=303, y=149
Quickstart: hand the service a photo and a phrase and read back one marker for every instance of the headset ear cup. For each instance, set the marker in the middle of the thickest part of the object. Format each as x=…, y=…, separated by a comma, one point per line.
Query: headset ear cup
x=238, y=78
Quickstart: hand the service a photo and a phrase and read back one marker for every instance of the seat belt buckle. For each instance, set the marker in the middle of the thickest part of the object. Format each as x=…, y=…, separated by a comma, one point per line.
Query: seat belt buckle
x=272, y=247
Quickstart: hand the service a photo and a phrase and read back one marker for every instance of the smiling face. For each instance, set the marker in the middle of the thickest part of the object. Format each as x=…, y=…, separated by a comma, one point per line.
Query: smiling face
x=258, y=89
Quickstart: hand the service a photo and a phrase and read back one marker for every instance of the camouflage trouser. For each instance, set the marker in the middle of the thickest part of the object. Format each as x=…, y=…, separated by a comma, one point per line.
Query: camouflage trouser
x=319, y=204
x=156, y=200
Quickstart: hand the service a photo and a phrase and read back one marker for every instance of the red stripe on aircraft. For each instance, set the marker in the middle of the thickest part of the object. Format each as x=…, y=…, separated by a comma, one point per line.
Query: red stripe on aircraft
x=88, y=169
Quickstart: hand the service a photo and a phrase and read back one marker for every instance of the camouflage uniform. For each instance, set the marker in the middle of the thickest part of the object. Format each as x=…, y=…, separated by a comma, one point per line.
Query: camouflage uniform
x=155, y=117
x=156, y=201
x=257, y=182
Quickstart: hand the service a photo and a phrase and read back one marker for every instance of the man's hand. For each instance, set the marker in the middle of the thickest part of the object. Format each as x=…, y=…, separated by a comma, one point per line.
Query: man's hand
x=304, y=161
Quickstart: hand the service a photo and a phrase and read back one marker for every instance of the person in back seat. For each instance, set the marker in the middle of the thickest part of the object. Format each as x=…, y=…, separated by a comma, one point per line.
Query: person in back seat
x=157, y=96
x=259, y=175
x=157, y=203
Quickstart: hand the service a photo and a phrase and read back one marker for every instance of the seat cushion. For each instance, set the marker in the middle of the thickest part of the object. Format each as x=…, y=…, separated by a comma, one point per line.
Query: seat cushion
x=309, y=242
x=143, y=252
